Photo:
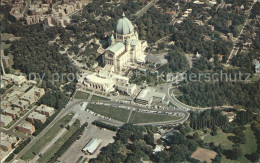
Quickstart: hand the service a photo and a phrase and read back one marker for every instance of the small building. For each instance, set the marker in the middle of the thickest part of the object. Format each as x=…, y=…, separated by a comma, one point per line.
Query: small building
x=148, y=95
x=5, y=120
x=92, y=146
x=170, y=135
x=7, y=141
x=12, y=111
x=128, y=89
x=158, y=148
x=17, y=80
x=21, y=104
x=230, y=115
x=26, y=127
x=257, y=68
x=35, y=116
x=46, y=110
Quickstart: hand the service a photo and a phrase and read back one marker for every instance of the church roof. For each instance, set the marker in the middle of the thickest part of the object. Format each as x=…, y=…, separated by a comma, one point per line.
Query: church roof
x=116, y=47
x=124, y=26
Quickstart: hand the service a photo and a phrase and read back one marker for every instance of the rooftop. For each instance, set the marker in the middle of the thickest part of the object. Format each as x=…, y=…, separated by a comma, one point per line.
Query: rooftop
x=26, y=125
x=36, y=115
x=44, y=108
x=92, y=145
x=13, y=110
x=116, y=47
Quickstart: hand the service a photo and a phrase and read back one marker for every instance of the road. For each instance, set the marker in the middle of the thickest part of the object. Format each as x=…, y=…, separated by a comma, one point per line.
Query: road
x=235, y=48
x=11, y=130
x=62, y=113
x=74, y=106
x=145, y=8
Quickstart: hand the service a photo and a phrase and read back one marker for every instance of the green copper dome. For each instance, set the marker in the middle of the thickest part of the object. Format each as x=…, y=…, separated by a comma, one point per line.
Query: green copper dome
x=124, y=26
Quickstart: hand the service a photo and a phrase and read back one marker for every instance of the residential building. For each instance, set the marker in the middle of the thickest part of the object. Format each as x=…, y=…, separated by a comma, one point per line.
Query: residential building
x=12, y=111
x=7, y=141
x=21, y=104
x=33, y=95
x=35, y=116
x=26, y=127
x=46, y=110
x=5, y=120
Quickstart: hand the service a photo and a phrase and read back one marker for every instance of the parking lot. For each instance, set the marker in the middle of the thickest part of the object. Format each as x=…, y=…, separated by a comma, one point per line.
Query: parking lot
x=75, y=151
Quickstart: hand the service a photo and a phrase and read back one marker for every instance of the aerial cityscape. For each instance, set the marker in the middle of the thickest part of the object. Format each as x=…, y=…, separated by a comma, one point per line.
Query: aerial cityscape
x=107, y=81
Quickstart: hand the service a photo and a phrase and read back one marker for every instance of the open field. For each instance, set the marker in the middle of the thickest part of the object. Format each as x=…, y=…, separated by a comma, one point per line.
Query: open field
x=220, y=138
x=97, y=98
x=255, y=78
x=45, y=139
x=138, y=117
x=247, y=148
x=58, y=144
x=204, y=155
x=81, y=95
x=112, y=112
x=4, y=45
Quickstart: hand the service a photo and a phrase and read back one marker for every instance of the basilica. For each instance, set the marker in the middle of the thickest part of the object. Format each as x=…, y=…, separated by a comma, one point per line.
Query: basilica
x=125, y=47
x=125, y=51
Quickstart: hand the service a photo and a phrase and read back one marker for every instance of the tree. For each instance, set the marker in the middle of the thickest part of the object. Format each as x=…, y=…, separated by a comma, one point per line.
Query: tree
x=149, y=139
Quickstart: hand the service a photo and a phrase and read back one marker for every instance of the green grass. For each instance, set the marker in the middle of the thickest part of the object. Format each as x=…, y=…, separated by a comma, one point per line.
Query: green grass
x=4, y=45
x=220, y=138
x=112, y=112
x=81, y=95
x=250, y=145
x=255, y=78
x=138, y=117
x=94, y=97
x=58, y=144
x=247, y=148
x=45, y=139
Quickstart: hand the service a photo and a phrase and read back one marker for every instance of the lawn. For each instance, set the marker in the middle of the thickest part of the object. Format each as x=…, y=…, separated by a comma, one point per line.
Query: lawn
x=247, y=148
x=81, y=95
x=254, y=78
x=99, y=98
x=220, y=138
x=138, y=117
x=112, y=112
x=4, y=45
x=46, y=138
x=58, y=144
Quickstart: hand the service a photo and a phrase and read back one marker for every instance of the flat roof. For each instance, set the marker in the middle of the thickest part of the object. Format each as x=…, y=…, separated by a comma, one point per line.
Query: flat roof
x=5, y=118
x=92, y=145
x=147, y=93
x=36, y=115
x=45, y=108
x=26, y=125
x=93, y=78
x=12, y=110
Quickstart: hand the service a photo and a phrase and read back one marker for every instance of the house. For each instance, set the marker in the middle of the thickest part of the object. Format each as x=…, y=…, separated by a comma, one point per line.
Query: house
x=5, y=120
x=33, y=95
x=46, y=110
x=257, y=68
x=21, y=104
x=34, y=117
x=12, y=111
x=7, y=141
x=26, y=127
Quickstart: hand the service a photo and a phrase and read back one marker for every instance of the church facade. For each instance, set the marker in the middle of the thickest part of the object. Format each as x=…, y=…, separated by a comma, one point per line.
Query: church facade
x=125, y=47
